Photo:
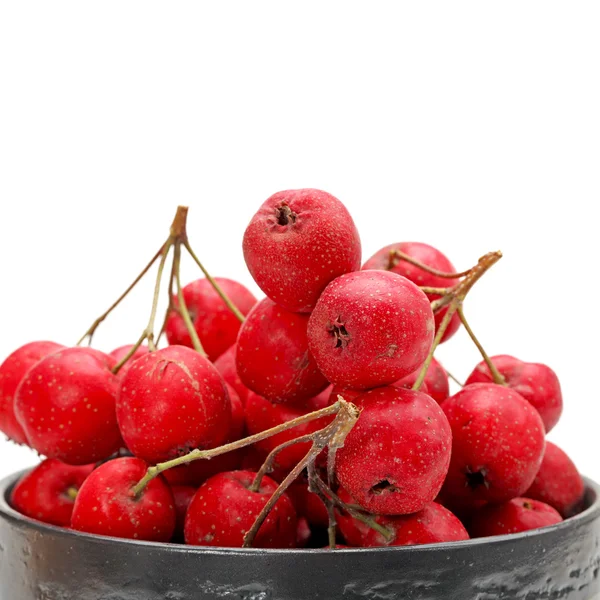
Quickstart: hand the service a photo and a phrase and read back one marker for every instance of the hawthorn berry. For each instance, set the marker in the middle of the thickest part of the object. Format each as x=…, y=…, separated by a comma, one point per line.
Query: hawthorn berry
x=308, y=504
x=370, y=328
x=225, y=508
x=385, y=259
x=558, y=482
x=12, y=372
x=226, y=365
x=395, y=458
x=66, y=405
x=106, y=503
x=182, y=497
x=512, y=516
x=216, y=326
x=297, y=242
x=170, y=402
x=497, y=446
x=273, y=358
x=262, y=415
x=536, y=382
x=47, y=492
x=122, y=351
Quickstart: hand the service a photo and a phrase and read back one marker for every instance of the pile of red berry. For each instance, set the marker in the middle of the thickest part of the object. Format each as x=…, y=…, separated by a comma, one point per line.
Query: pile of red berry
x=315, y=416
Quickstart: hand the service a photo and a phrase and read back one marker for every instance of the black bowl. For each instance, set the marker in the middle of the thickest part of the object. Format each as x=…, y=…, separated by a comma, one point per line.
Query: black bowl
x=41, y=562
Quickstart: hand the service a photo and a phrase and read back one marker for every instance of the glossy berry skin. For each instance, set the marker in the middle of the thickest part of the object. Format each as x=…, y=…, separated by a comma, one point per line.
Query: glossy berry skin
x=43, y=493
x=433, y=524
x=66, y=405
x=512, y=516
x=427, y=255
x=497, y=446
x=216, y=326
x=224, y=509
x=308, y=504
x=436, y=382
x=226, y=365
x=106, y=505
x=170, y=402
x=121, y=352
x=297, y=242
x=272, y=355
x=558, y=482
x=182, y=497
x=370, y=328
x=394, y=460
x=537, y=383
x=262, y=415
x=303, y=533
x=12, y=372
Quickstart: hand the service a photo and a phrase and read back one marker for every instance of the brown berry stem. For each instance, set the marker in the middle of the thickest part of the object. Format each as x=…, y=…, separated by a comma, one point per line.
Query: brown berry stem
x=327, y=501
x=232, y=307
x=154, y=471
x=183, y=309
x=434, y=290
x=496, y=375
x=398, y=255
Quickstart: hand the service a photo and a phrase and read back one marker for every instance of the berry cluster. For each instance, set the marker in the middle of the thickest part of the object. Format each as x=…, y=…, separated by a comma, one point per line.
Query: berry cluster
x=315, y=416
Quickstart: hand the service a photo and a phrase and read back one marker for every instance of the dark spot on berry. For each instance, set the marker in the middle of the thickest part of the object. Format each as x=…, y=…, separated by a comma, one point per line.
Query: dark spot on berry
x=475, y=479
x=285, y=215
x=528, y=505
x=338, y=330
x=384, y=486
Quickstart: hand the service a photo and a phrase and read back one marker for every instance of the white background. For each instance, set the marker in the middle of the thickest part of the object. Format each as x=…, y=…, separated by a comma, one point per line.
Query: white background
x=471, y=126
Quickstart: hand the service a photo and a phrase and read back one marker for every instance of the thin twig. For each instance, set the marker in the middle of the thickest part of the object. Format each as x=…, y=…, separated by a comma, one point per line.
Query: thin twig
x=399, y=255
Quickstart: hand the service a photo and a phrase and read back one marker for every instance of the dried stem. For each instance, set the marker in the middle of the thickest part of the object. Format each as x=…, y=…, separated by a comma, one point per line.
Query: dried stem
x=328, y=502
x=334, y=409
x=398, y=255
x=232, y=307
x=434, y=290
x=496, y=375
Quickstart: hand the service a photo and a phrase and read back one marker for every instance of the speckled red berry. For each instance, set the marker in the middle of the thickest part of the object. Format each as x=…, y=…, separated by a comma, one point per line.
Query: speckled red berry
x=66, y=405
x=226, y=365
x=216, y=325
x=497, y=445
x=272, y=355
x=513, y=516
x=170, y=402
x=224, y=509
x=428, y=255
x=121, y=352
x=47, y=492
x=370, y=328
x=12, y=372
x=106, y=504
x=436, y=382
x=297, y=242
x=395, y=458
x=558, y=482
x=536, y=382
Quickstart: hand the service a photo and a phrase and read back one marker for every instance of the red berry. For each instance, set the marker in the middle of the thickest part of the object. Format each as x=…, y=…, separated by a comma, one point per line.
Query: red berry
x=272, y=356
x=308, y=504
x=303, y=533
x=225, y=364
x=262, y=415
x=43, y=493
x=537, y=383
x=513, y=516
x=224, y=509
x=370, y=328
x=558, y=482
x=12, y=372
x=172, y=401
x=348, y=394
x=106, y=504
x=182, y=497
x=66, y=405
x=436, y=380
x=408, y=382
x=497, y=445
x=297, y=242
x=121, y=352
x=428, y=255
x=216, y=326
x=433, y=524
x=395, y=458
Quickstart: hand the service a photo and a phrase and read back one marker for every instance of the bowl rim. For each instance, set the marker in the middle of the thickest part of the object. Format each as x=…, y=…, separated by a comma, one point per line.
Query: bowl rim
x=16, y=519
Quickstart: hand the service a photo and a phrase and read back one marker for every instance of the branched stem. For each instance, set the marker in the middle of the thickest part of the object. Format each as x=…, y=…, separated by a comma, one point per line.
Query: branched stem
x=434, y=290
x=496, y=375
x=398, y=255
x=232, y=307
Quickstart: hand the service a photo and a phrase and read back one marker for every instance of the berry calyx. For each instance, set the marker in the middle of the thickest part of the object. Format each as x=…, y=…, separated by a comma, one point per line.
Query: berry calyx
x=297, y=242
x=12, y=372
x=370, y=328
x=107, y=505
x=224, y=510
x=47, y=493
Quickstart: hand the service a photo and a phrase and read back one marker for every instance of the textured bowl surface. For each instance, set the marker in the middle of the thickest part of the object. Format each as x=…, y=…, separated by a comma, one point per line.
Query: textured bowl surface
x=40, y=562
